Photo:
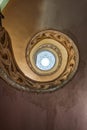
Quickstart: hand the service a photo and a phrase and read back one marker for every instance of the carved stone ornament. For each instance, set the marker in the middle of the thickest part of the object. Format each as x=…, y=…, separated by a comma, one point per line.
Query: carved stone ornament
x=54, y=46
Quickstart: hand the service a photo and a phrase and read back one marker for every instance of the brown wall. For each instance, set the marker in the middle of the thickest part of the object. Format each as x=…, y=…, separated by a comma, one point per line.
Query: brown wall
x=65, y=109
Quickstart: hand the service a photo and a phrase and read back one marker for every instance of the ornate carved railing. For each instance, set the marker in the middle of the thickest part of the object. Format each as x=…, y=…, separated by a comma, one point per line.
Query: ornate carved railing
x=56, y=42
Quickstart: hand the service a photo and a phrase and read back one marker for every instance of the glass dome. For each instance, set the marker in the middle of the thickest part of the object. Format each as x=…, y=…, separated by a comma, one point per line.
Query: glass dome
x=45, y=60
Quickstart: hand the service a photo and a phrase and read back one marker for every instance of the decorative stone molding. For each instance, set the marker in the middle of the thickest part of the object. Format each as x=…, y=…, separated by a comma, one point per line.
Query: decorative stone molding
x=64, y=49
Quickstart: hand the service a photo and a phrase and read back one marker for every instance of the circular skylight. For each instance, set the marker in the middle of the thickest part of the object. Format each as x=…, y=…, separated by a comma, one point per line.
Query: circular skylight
x=45, y=60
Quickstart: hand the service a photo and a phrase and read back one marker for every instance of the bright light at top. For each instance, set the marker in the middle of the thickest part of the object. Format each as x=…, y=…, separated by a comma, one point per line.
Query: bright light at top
x=3, y=3
x=45, y=60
